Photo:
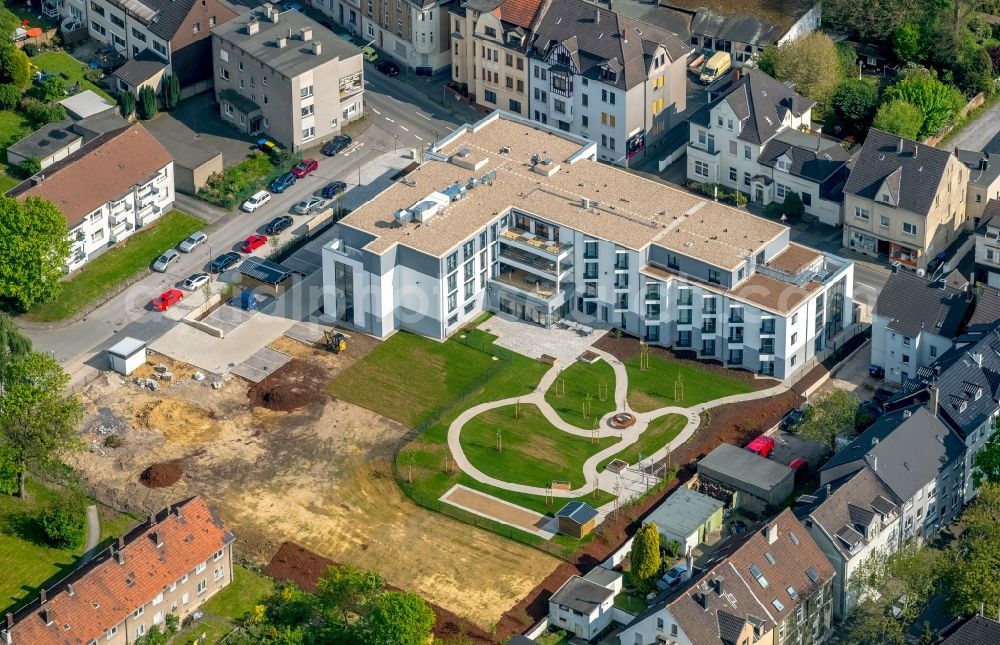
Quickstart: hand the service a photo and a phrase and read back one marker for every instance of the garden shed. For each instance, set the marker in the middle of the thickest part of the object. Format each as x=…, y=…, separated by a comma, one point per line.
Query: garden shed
x=577, y=519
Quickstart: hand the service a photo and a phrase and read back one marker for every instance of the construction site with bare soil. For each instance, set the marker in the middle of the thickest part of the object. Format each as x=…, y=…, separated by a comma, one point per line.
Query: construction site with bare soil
x=282, y=461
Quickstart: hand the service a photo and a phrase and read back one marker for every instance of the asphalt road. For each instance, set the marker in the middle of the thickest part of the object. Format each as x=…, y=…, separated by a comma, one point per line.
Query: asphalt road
x=981, y=134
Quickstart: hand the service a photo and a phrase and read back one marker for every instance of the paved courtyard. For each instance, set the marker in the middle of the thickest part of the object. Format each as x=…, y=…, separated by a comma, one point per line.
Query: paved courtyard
x=533, y=341
x=195, y=122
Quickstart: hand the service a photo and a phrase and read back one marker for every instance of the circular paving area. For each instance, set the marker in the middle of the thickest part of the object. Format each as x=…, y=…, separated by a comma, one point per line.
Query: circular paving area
x=622, y=420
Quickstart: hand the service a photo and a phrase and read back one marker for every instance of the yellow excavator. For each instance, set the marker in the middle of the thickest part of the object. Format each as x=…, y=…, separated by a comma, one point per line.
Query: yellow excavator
x=336, y=342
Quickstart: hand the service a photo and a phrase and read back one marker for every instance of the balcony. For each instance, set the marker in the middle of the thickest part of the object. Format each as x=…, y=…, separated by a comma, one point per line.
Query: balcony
x=535, y=244
x=527, y=283
x=531, y=262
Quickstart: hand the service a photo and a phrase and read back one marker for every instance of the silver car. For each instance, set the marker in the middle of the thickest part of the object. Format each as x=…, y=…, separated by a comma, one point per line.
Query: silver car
x=196, y=281
x=309, y=205
x=192, y=241
x=165, y=260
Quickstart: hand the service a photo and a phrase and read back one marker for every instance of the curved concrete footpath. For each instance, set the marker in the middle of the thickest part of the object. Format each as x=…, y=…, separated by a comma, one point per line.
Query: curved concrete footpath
x=93, y=536
x=606, y=481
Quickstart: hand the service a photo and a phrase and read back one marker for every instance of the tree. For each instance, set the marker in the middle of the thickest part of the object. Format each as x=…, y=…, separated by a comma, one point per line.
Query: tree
x=64, y=522
x=900, y=118
x=399, y=618
x=970, y=580
x=871, y=20
x=974, y=70
x=147, y=103
x=10, y=95
x=126, y=102
x=792, y=207
x=14, y=66
x=33, y=250
x=907, y=43
x=29, y=166
x=348, y=590
x=767, y=59
x=14, y=346
x=810, y=63
x=171, y=90
x=987, y=462
x=644, y=558
x=38, y=419
x=847, y=60
x=938, y=102
x=855, y=101
x=831, y=415
x=50, y=89
x=8, y=21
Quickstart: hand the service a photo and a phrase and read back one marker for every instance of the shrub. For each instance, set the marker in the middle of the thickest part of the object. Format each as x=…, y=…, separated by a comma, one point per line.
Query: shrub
x=938, y=101
x=93, y=75
x=673, y=549
x=171, y=90
x=51, y=89
x=10, y=96
x=113, y=441
x=900, y=118
x=40, y=114
x=64, y=522
x=126, y=102
x=793, y=206
x=31, y=50
x=855, y=101
x=29, y=167
x=907, y=43
x=146, y=106
x=14, y=66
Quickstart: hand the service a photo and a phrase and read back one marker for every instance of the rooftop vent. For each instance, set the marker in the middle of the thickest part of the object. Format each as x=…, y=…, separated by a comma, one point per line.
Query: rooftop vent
x=317, y=48
x=505, y=150
x=280, y=42
x=403, y=216
x=546, y=167
x=772, y=533
x=253, y=27
x=462, y=152
x=306, y=33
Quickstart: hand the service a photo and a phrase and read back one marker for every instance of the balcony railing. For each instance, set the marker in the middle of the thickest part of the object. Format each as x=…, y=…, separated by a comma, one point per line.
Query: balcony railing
x=527, y=283
x=542, y=245
x=534, y=261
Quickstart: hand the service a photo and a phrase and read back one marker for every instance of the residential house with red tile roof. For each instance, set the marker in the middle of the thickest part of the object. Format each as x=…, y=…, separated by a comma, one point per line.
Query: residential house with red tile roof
x=115, y=184
x=771, y=586
x=170, y=564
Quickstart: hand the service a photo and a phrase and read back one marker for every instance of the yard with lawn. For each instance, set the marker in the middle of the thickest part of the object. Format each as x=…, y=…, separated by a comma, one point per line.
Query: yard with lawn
x=226, y=610
x=533, y=452
x=28, y=560
x=69, y=69
x=13, y=128
x=102, y=274
x=570, y=391
x=660, y=432
x=672, y=382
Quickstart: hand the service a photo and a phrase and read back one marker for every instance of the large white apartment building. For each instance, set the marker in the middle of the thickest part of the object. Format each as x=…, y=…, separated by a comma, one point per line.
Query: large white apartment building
x=510, y=216
x=109, y=188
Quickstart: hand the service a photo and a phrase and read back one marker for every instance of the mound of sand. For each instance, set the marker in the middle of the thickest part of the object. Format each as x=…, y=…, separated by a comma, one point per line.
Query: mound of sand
x=161, y=475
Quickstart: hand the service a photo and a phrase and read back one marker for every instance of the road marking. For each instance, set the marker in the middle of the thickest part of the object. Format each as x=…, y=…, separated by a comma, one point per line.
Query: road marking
x=376, y=112
x=389, y=120
x=419, y=138
x=423, y=116
x=404, y=128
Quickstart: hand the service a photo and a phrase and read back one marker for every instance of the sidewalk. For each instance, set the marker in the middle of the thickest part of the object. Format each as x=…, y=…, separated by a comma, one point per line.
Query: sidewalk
x=433, y=88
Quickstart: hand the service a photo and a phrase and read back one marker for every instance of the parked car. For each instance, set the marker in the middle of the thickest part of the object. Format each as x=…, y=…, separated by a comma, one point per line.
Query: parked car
x=876, y=371
x=224, y=262
x=278, y=224
x=196, y=281
x=282, y=183
x=309, y=205
x=672, y=577
x=792, y=419
x=762, y=445
x=256, y=200
x=335, y=145
x=387, y=67
x=193, y=240
x=167, y=299
x=165, y=260
x=333, y=189
x=304, y=167
x=253, y=243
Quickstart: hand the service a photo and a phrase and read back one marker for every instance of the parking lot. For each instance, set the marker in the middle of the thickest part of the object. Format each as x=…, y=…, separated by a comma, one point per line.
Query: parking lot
x=195, y=122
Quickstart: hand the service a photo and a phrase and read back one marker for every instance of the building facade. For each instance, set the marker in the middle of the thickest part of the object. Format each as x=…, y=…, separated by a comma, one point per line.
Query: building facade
x=583, y=606
x=749, y=138
x=136, y=188
x=903, y=200
x=489, y=42
x=346, y=13
x=987, y=245
x=286, y=75
x=174, y=31
x=853, y=520
x=540, y=237
x=412, y=32
x=169, y=564
x=984, y=183
x=606, y=77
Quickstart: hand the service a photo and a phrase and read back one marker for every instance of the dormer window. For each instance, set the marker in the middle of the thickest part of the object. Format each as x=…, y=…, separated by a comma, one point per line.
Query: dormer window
x=782, y=164
x=884, y=197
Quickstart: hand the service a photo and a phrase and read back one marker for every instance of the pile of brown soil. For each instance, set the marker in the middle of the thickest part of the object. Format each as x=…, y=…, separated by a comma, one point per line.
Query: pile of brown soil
x=294, y=385
x=296, y=564
x=161, y=475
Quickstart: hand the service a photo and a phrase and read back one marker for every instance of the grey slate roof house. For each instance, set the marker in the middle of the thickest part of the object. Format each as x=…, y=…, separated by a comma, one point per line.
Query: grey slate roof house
x=917, y=457
x=760, y=484
x=904, y=200
x=976, y=630
x=583, y=606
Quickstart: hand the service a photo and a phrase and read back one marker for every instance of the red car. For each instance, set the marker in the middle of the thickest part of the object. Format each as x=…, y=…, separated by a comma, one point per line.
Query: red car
x=253, y=243
x=304, y=167
x=167, y=299
x=762, y=445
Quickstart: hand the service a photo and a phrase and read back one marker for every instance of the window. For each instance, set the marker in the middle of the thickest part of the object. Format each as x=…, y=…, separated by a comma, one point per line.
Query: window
x=195, y=29
x=157, y=599
x=701, y=168
x=120, y=23
x=590, y=251
x=452, y=302
x=746, y=178
x=585, y=121
x=611, y=140
x=933, y=351
x=111, y=633
x=746, y=152
x=141, y=37
x=778, y=605
x=306, y=92
x=713, y=276
x=160, y=47
x=515, y=106
x=909, y=229
x=733, y=175
x=659, y=624
x=211, y=22
x=97, y=235
x=883, y=221
x=98, y=27
x=217, y=574
x=308, y=110
x=780, y=190
x=201, y=567
x=490, y=96
x=862, y=214
x=559, y=106
x=96, y=8
x=684, y=338
x=490, y=31
x=683, y=316
x=585, y=99
x=795, y=338
x=308, y=133
x=140, y=629
x=202, y=586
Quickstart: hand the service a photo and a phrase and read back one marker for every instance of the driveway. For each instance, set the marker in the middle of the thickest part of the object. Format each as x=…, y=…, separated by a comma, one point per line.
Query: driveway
x=195, y=122
x=981, y=134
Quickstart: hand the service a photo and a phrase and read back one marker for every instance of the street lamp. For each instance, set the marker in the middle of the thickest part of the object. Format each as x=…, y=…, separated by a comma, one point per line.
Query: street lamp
x=395, y=137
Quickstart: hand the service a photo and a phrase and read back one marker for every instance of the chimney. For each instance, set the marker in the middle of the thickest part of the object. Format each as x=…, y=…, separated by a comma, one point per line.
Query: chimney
x=46, y=616
x=978, y=358
x=317, y=48
x=10, y=620
x=935, y=394
x=152, y=519
x=689, y=562
x=37, y=179
x=42, y=597
x=899, y=146
x=827, y=487
x=702, y=599
x=177, y=511
x=271, y=12
x=771, y=532
x=253, y=27
x=119, y=556
x=157, y=537
x=872, y=461
x=597, y=16
x=916, y=149
x=718, y=586
x=280, y=42
x=956, y=151
x=306, y=33
x=69, y=590
x=906, y=415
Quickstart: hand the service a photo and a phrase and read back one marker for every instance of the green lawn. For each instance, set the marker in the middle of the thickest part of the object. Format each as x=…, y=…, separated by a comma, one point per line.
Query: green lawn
x=656, y=387
x=70, y=68
x=533, y=451
x=569, y=392
x=660, y=432
x=227, y=608
x=634, y=603
x=26, y=558
x=13, y=128
x=409, y=377
x=115, y=265
x=553, y=638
